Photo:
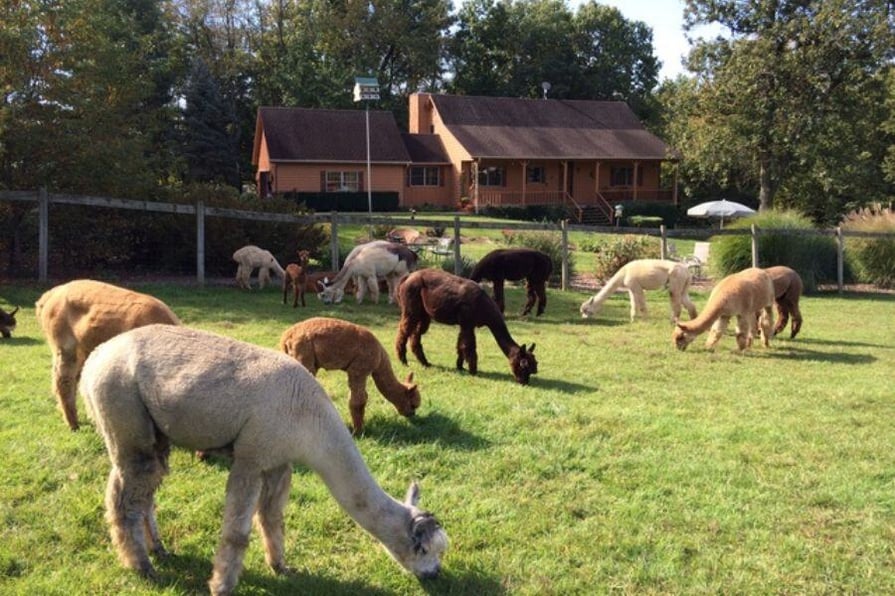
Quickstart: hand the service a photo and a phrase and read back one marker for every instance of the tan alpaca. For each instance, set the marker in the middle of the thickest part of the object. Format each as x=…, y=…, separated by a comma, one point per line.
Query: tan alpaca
x=322, y=342
x=741, y=295
x=646, y=274
x=78, y=316
x=296, y=276
x=249, y=258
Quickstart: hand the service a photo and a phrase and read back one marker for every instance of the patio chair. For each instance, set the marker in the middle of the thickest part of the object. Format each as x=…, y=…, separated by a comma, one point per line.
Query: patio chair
x=698, y=260
x=443, y=247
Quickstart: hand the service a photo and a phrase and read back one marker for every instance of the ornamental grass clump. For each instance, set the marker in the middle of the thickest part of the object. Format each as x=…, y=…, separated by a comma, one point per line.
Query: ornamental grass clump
x=618, y=251
x=872, y=260
x=779, y=243
x=549, y=243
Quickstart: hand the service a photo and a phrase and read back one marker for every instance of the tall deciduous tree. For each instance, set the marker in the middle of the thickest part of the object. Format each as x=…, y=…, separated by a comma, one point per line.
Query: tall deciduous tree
x=510, y=48
x=795, y=90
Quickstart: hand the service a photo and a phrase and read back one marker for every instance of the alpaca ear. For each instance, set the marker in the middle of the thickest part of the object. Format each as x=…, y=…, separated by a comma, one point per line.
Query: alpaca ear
x=409, y=378
x=531, y=349
x=14, y=311
x=413, y=495
x=679, y=326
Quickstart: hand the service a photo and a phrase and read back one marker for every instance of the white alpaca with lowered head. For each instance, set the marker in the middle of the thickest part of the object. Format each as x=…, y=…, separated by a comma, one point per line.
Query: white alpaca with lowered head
x=160, y=385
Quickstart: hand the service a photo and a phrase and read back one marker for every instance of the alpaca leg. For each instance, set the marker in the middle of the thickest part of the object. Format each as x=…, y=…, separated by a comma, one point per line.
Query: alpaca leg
x=357, y=402
x=66, y=368
x=782, y=317
x=263, y=277
x=416, y=339
x=361, y=289
x=688, y=304
x=404, y=331
x=299, y=292
x=796, y=320
x=498, y=293
x=243, y=492
x=541, y=291
x=719, y=328
x=745, y=330
x=274, y=495
x=130, y=507
x=637, y=301
x=286, y=289
x=466, y=350
x=766, y=324
x=373, y=284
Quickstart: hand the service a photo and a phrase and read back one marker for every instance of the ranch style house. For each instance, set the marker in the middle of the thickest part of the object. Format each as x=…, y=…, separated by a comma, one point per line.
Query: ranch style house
x=470, y=151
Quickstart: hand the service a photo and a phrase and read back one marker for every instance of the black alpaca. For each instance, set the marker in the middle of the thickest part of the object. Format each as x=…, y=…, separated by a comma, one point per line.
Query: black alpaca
x=514, y=264
x=434, y=294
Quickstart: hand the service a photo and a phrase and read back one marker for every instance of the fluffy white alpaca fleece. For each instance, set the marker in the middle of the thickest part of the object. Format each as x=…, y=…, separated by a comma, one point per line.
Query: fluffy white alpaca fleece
x=159, y=386
x=646, y=274
x=249, y=258
x=366, y=264
x=748, y=296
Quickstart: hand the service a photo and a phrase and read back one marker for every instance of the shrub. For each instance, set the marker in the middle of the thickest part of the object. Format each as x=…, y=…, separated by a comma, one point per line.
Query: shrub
x=614, y=253
x=812, y=256
x=549, y=243
x=466, y=265
x=871, y=259
x=528, y=213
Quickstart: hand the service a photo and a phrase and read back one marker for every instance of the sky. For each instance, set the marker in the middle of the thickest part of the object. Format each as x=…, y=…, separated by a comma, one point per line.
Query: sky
x=666, y=18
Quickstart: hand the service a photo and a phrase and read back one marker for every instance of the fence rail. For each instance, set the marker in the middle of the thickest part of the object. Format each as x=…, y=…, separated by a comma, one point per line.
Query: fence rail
x=43, y=199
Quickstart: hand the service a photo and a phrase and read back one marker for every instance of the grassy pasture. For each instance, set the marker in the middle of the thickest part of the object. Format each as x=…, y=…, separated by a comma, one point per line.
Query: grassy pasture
x=625, y=467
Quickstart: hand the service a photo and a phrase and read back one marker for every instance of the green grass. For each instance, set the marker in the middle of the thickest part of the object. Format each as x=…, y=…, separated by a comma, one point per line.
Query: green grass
x=626, y=466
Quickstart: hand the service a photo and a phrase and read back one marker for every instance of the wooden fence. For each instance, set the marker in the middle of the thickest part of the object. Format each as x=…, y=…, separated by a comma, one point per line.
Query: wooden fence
x=200, y=212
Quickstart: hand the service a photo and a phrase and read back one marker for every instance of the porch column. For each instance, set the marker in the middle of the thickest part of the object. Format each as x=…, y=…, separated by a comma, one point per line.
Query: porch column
x=674, y=186
x=636, y=168
x=596, y=180
x=565, y=178
x=524, y=180
x=475, y=185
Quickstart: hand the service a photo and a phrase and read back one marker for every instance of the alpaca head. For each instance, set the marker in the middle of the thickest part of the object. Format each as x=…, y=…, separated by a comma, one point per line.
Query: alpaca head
x=681, y=338
x=331, y=295
x=303, y=257
x=523, y=364
x=588, y=308
x=424, y=543
x=8, y=321
x=410, y=398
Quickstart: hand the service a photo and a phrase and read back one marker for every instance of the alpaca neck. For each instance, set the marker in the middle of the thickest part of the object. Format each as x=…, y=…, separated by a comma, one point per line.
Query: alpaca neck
x=386, y=382
x=503, y=338
x=337, y=460
x=705, y=319
x=609, y=288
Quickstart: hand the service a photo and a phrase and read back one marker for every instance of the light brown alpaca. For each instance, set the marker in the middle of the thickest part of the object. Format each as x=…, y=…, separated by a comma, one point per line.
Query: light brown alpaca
x=787, y=290
x=322, y=342
x=296, y=277
x=78, y=316
x=739, y=295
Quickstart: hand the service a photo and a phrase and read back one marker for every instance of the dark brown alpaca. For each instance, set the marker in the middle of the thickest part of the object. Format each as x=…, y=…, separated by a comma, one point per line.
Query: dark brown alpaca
x=787, y=290
x=514, y=264
x=296, y=276
x=434, y=294
x=8, y=322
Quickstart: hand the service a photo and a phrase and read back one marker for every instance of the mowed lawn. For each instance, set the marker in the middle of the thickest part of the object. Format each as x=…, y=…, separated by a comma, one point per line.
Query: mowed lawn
x=625, y=467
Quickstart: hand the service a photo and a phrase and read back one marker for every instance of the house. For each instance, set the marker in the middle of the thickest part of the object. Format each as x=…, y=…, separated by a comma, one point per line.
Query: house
x=490, y=151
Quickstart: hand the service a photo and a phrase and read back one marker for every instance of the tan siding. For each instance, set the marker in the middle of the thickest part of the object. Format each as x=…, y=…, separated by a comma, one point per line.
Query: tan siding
x=456, y=153
x=306, y=177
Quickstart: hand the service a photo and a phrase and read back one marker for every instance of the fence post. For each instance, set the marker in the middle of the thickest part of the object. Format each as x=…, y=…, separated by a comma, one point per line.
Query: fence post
x=840, y=258
x=754, y=245
x=200, y=242
x=43, y=233
x=564, y=280
x=334, y=240
x=457, y=266
x=663, y=243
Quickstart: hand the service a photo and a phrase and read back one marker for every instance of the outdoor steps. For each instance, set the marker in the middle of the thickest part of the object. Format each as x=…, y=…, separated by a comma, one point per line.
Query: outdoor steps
x=594, y=216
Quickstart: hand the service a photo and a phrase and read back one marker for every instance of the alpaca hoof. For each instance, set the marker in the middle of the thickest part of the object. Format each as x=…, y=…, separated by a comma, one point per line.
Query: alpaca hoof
x=160, y=552
x=283, y=569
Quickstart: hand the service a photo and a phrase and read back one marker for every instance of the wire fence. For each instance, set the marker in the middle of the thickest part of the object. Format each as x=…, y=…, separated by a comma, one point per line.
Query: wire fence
x=201, y=213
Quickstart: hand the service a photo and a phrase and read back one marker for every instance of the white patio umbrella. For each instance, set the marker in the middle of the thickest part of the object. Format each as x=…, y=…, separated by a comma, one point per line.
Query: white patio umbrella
x=720, y=209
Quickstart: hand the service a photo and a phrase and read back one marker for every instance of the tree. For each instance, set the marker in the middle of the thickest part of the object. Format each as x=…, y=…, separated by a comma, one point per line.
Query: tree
x=792, y=89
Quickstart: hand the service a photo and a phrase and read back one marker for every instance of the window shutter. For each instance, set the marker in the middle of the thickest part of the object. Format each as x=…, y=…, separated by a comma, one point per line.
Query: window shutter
x=322, y=180
x=360, y=180
x=440, y=176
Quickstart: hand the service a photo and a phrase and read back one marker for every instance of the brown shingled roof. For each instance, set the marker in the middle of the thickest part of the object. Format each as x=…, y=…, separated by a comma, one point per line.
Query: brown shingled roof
x=304, y=134
x=425, y=148
x=503, y=127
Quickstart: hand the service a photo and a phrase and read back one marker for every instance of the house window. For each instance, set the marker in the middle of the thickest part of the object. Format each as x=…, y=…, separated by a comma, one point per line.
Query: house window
x=536, y=175
x=492, y=176
x=624, y=176
x=342, y=182
x=428, y=176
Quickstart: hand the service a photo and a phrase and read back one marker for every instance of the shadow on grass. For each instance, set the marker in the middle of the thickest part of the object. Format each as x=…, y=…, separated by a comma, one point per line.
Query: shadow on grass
x=827, y=342
x=796, y=353
x=21, y=341
x=189, y=574
x=422, y=429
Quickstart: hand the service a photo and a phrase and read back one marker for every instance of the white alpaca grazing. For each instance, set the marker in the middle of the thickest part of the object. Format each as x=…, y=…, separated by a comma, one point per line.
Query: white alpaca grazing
x=250, y=258
x=160, y=385
x=366, y=264
x=646, y=274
